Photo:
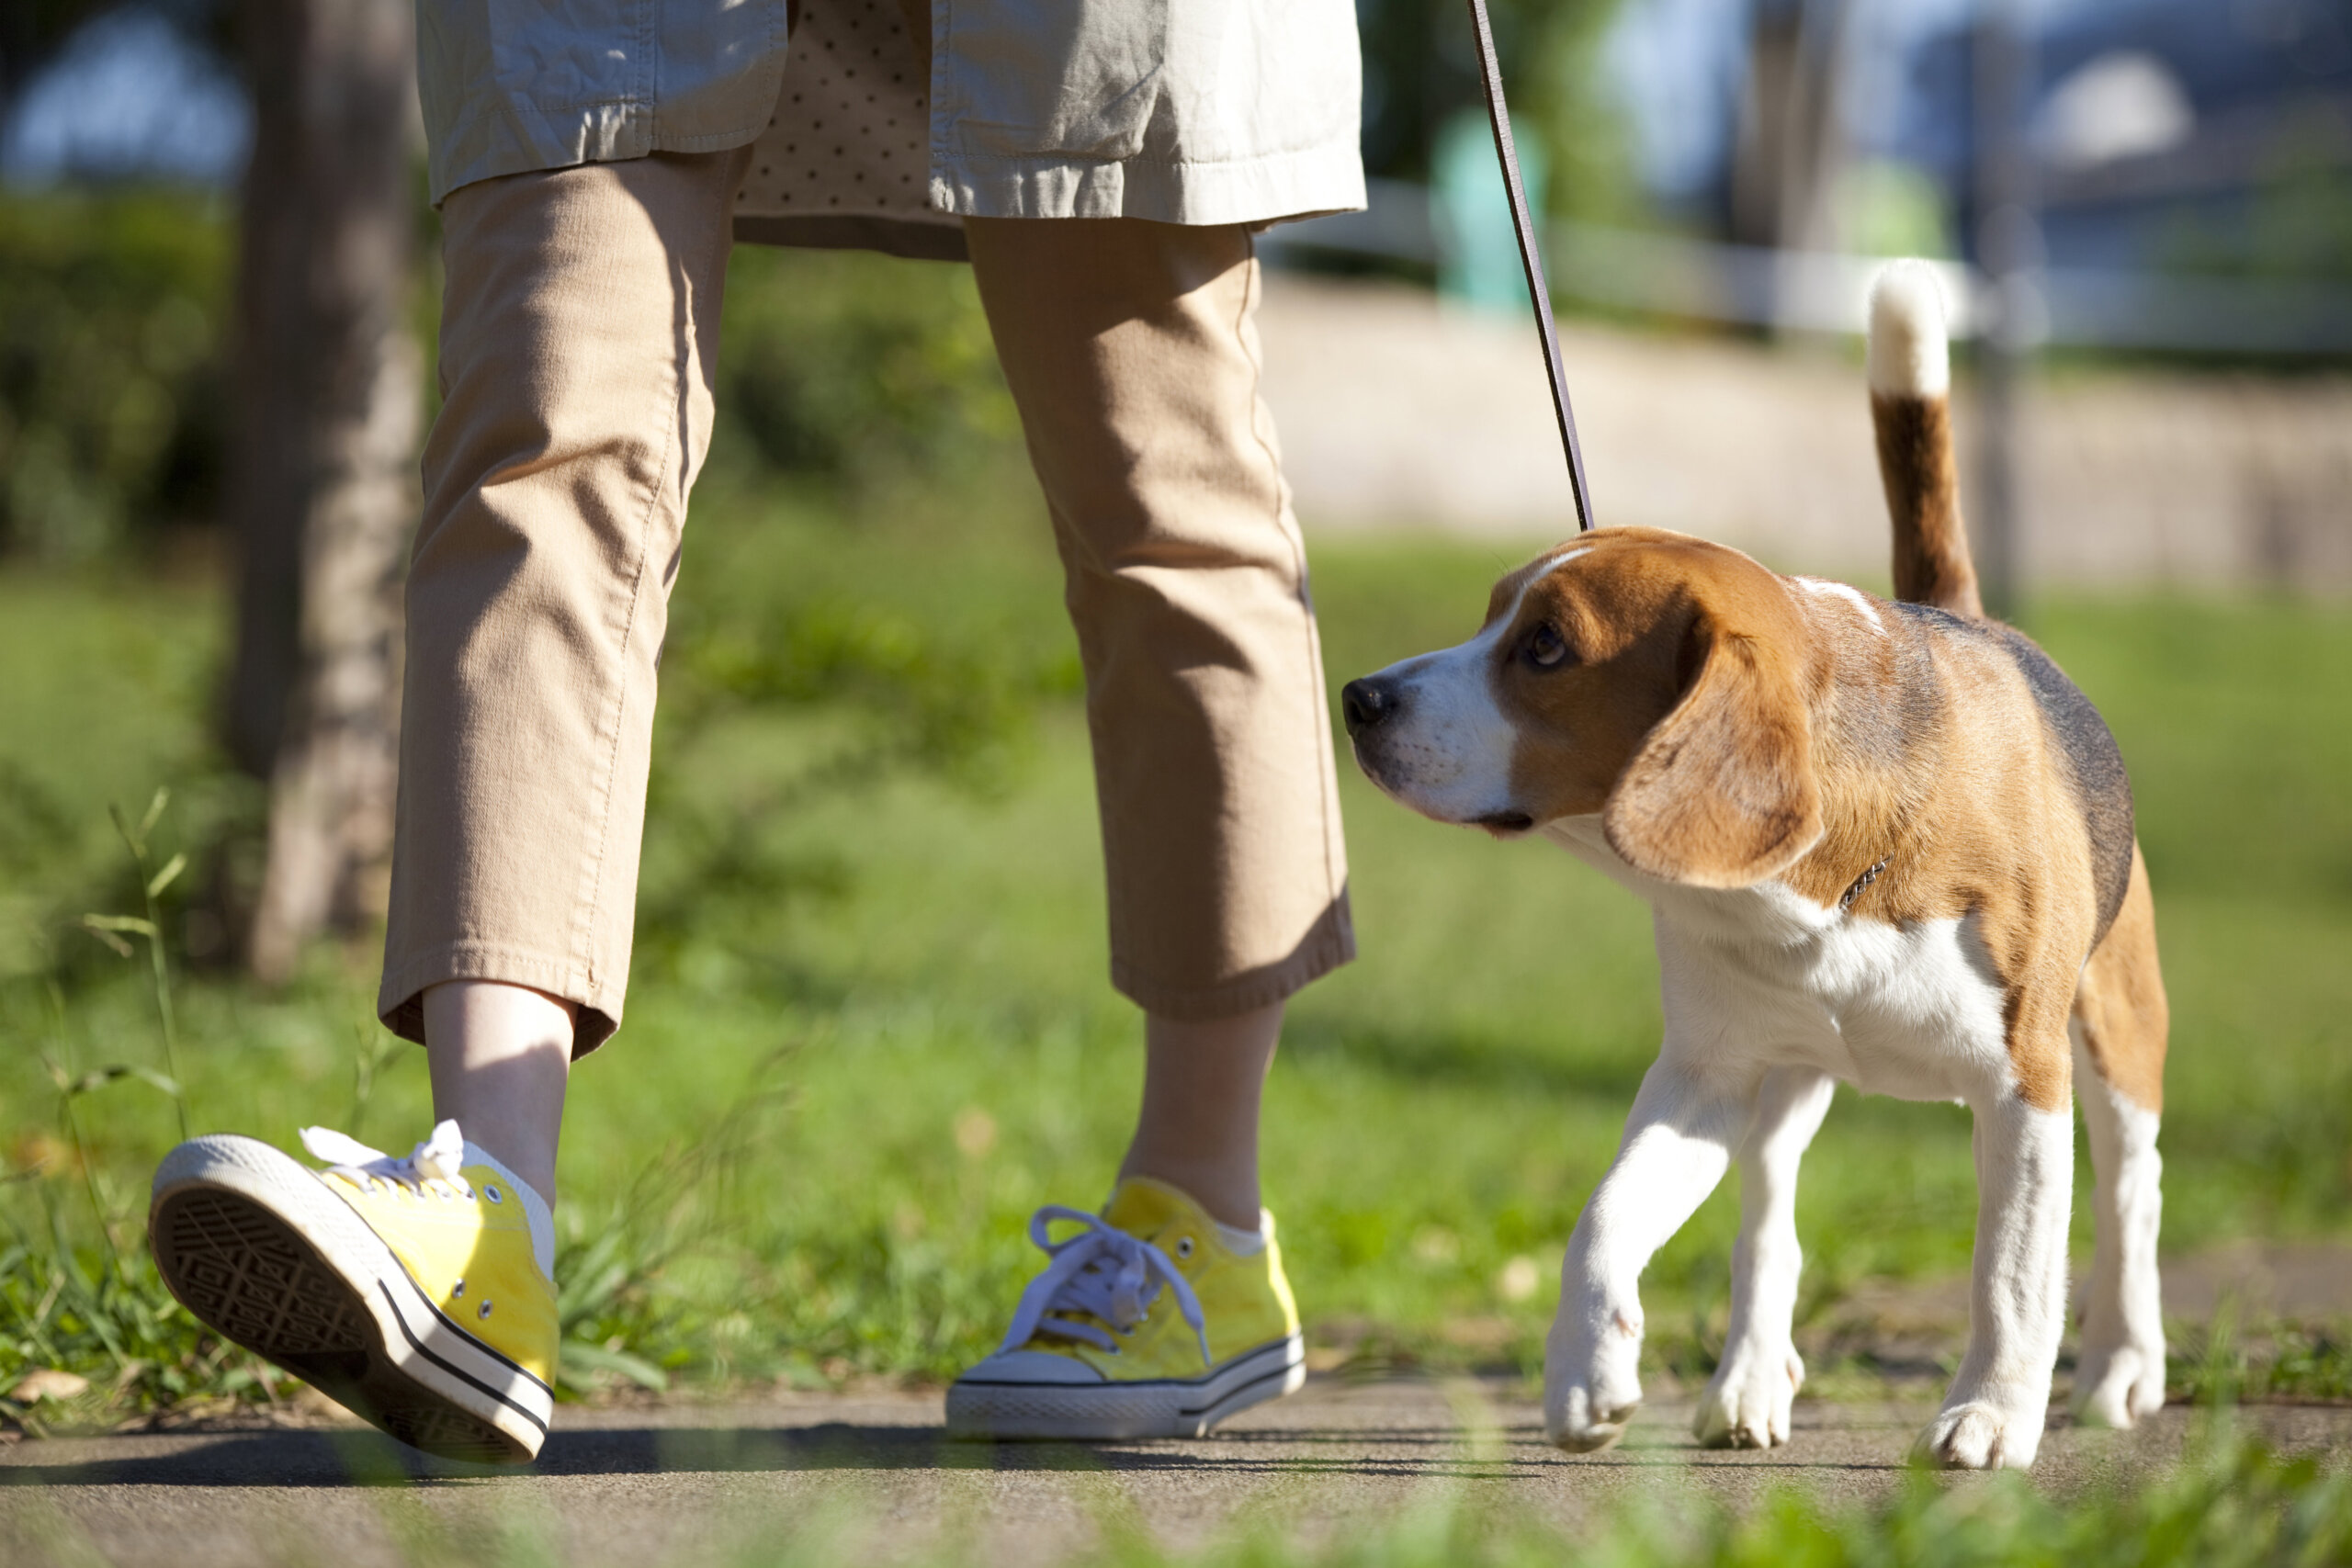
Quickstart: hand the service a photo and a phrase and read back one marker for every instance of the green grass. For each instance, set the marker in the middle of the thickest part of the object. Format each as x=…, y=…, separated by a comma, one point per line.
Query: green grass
x=870, y=1029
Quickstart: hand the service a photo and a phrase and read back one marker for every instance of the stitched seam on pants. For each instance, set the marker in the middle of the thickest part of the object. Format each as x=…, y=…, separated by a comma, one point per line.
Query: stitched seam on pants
x=584, y=930
x=1078, y=559
x=1327, y=786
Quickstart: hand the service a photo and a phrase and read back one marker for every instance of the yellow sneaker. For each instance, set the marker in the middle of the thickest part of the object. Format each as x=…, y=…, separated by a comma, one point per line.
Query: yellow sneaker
x=415, y=1293
x=1147, y=1324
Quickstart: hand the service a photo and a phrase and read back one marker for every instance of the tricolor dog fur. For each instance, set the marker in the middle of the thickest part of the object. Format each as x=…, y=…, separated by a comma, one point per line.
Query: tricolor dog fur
x=1885, y=843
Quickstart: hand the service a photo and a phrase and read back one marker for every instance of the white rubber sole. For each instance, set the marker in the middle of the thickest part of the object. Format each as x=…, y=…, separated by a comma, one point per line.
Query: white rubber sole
x=1109, y=1412
x=255, y=1245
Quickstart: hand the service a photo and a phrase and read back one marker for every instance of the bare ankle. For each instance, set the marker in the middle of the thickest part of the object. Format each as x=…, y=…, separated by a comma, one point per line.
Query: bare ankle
x=501, y=1057
x=1197, y=1129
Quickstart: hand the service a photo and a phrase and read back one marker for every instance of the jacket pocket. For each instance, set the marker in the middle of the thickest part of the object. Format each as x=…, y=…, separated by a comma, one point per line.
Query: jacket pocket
x=1052, y=78
x=575, y=53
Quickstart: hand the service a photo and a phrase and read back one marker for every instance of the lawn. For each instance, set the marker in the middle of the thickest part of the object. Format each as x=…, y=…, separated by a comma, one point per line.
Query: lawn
x=871, y=1030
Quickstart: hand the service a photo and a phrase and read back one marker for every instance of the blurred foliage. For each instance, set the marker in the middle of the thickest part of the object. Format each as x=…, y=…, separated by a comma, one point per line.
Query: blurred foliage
x=1420, y=69
x=895, y=697
x=2221, y=1364
x=1892, y=209
x=2302, y=225
x=841, y=370
x=845, y=367
x=2293, y=225
x=113, y=386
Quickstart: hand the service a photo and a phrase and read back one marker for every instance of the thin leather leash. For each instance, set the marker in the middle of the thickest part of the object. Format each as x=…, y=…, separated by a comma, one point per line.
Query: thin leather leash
x=1530, y=259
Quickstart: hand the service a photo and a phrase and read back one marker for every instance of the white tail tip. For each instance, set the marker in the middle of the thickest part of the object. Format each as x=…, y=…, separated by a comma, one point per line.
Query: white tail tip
x=1908, y=353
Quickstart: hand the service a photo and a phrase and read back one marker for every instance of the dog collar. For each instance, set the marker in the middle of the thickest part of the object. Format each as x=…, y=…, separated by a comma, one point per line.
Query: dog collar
x=1861, y=882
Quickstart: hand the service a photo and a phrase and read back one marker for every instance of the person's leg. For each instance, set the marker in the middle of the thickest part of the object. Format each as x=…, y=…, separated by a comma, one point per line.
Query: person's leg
x=579, y=333
x=577, y=327
x=1197, y=1127
x=1130, y=350
x=1132, y=354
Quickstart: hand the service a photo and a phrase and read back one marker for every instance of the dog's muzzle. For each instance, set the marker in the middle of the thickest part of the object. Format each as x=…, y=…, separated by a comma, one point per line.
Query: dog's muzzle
x=1371, y=708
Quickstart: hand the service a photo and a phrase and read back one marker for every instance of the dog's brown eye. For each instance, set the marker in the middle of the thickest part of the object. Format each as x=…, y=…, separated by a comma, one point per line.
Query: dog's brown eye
x=1546, y=649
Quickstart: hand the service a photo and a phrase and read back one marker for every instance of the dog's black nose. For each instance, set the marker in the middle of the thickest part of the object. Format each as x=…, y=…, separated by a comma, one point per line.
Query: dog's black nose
x=1367, y=703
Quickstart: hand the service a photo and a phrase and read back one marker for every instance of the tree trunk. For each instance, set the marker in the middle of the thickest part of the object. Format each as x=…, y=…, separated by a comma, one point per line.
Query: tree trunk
x=322, y=480
x=1789, y=151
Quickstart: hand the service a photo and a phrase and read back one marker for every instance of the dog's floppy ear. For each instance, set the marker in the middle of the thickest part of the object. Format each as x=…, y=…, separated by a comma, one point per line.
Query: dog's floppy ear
x=1722, y=794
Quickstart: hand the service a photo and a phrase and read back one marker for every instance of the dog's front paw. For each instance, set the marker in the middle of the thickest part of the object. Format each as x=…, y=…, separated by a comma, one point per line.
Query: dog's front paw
x=1980, y=1434
x=1591, y=1391
x=1582, y=1422
x=2116, y=1387
x=1746, y=1404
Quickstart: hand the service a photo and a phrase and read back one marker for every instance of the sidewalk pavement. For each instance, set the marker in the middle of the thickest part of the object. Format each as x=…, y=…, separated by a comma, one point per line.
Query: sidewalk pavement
x=862, y=1477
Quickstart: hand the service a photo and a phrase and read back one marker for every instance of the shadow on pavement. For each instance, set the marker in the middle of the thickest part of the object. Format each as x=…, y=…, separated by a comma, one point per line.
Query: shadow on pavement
x=345, y=1458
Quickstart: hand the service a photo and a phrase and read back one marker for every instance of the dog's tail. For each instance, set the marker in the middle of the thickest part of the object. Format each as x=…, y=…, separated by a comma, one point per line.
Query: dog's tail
x=1910, y=374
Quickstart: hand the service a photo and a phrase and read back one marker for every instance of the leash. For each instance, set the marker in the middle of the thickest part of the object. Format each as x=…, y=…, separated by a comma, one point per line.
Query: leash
x=1530, y=260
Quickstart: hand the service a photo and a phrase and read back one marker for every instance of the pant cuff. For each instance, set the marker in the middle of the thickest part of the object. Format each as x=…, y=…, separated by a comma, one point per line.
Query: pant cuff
x=401, y=1001
x=1331, y=943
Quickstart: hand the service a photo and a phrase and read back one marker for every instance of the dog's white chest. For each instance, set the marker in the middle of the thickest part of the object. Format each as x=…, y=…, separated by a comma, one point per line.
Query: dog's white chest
x=1911, y=1012
x=1763, y=972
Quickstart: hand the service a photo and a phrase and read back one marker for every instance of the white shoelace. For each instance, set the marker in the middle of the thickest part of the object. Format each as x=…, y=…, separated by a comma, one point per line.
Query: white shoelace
x=432, y=1165
x=1102, y=1272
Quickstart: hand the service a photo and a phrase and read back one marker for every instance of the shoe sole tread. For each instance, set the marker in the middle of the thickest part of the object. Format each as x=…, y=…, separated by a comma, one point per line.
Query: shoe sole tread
x=254, y=1246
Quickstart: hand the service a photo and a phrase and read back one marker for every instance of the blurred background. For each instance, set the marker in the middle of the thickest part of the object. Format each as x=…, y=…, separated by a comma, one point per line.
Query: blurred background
x=218, y=303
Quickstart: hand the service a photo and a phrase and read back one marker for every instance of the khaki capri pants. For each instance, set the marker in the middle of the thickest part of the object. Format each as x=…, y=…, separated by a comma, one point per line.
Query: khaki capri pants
x=579, y=330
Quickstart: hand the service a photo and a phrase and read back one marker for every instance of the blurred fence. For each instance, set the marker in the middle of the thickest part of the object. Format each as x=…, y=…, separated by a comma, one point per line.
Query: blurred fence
x=1397, y=410
x=1823, y=292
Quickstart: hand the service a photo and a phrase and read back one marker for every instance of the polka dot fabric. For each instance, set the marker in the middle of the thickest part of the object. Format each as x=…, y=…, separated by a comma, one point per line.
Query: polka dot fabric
x=845, y=159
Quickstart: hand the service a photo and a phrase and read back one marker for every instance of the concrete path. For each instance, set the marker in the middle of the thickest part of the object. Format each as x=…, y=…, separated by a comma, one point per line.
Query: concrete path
x=861, y=1478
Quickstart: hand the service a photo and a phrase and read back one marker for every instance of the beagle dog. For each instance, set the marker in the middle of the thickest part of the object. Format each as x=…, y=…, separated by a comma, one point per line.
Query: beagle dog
x=1885, y=843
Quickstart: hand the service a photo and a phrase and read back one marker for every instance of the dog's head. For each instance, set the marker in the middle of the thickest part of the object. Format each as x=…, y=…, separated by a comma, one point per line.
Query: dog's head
x=1653, y=680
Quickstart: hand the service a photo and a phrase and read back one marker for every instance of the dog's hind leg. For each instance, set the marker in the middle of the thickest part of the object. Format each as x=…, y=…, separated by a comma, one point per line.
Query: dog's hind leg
x=2119, y=1373
x=1747, y=1402
x=2118, y=1032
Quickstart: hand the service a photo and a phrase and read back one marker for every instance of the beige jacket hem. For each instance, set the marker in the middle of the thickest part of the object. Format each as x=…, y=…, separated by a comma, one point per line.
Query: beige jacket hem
x=1253, y=190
